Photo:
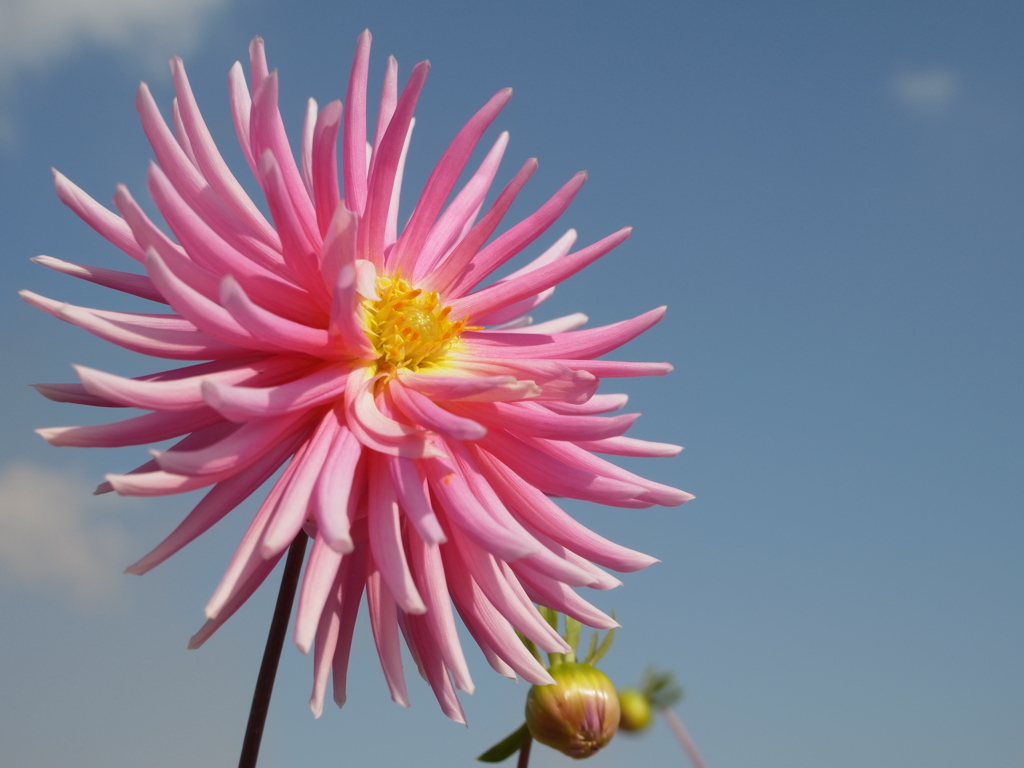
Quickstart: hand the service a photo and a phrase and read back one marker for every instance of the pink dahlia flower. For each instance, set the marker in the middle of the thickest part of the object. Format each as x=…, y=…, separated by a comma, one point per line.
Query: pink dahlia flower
x=423, y=422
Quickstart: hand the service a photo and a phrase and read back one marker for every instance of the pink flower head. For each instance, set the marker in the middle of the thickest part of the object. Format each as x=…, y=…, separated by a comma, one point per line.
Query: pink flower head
x=423, y=423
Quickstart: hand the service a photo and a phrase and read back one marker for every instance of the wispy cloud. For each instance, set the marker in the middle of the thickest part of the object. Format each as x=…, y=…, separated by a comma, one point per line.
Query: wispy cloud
x=927, y=90
x=49, y=535
x=35, y=34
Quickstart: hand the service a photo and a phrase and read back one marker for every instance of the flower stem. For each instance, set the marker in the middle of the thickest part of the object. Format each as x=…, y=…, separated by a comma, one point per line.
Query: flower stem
x=684, y=737
x=272, y=653
x=524, y=752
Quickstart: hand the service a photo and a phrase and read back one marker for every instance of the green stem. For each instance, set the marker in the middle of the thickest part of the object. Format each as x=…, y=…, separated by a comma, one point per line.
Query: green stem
x=272, y=653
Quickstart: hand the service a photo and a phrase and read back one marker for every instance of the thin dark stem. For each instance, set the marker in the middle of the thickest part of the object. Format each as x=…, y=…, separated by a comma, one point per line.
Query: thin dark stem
x=272, y=653
x=524, y=752
x=683, y=736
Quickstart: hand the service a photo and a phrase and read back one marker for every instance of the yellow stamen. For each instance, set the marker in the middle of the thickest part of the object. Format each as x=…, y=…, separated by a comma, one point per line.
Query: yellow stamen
x=409, y=327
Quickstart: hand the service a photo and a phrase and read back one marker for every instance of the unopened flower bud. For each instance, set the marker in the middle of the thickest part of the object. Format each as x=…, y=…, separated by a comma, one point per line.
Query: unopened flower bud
x=578, y=715
x=636, y=710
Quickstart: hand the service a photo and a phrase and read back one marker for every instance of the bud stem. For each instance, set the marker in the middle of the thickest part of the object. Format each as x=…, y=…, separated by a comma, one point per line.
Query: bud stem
x=272, y=653
x=684, y=737
x=524, y=752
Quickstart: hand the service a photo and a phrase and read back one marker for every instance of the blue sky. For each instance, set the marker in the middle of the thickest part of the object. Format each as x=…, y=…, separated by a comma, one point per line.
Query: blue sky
x=827, y=196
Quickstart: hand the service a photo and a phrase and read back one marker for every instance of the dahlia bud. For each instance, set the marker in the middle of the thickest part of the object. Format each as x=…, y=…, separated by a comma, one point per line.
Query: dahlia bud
x=577, y=715
x=636, y=710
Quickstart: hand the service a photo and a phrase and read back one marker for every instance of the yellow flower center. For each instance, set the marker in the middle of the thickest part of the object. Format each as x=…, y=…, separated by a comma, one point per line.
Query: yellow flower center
x=408, y=327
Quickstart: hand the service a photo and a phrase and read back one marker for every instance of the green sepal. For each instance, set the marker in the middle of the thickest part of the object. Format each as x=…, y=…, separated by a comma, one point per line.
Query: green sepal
x=507, y=747
x=591, y=649
x=602, y=649
x=572, y=636
x=660, y=688
x=529, y=646
x=550, y=616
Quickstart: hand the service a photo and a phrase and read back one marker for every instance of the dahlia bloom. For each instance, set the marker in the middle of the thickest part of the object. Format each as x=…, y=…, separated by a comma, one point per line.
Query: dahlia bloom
x=422, y=422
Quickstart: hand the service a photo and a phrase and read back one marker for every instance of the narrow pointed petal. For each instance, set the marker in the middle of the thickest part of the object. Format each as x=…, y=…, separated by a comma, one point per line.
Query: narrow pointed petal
x=413, y=497
x=442, y=181
x=321, y=570
x=354, y=144
x=386, y=539
x=107, y=223
x=459, y=215
x=126, y=282
x=494, y=297
x=337, y=490
x=326, y=192
x=384, y=623
x=518, y=237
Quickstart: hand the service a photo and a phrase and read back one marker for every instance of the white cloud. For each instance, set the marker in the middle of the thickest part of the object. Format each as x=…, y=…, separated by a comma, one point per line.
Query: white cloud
x=35, y=34
x=49, y=535
x=931, y=90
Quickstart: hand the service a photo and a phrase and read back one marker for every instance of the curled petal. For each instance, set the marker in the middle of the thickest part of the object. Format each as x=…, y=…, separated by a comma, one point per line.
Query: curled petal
x=424, y=412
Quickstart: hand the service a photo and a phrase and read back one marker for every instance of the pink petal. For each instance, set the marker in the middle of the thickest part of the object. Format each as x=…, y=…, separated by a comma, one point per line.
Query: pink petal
x=150, y=428
x=337, y=490
x=388, y=100
x=453, y=266
x=354, y=143
x=384, y=622
x=554, y=594
x=73, y=393
x=386, y=538
x=242, y=403
x=351, y=583
x=413, y=497
x=326, y=194
x=211, y=164
x=459, y=215
x=487, y=626
x=270, y=328
x=494, y=297
x=126, y=282
x=442, y=181
x=430, y=577
x=294, y=507
x=518, y=237
x=237, y=451
x=306, y=148
x=424, y=412
x=483, y=388
x=207, y=315
x=630, y=446
x=657, y=493
x=576, y=344
x=517, y=310
x=241, y=106
x=384, y=167
x=108, y=224
x=267, y=134
x=467, y=514
x=221, y=499
x=238, y=597
x=534, y=419
x=596, y=404
x=321, y=570
x=551, y=475
x=373, y=428
x=610, y=369
x=298, y=245
x=183, y=393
